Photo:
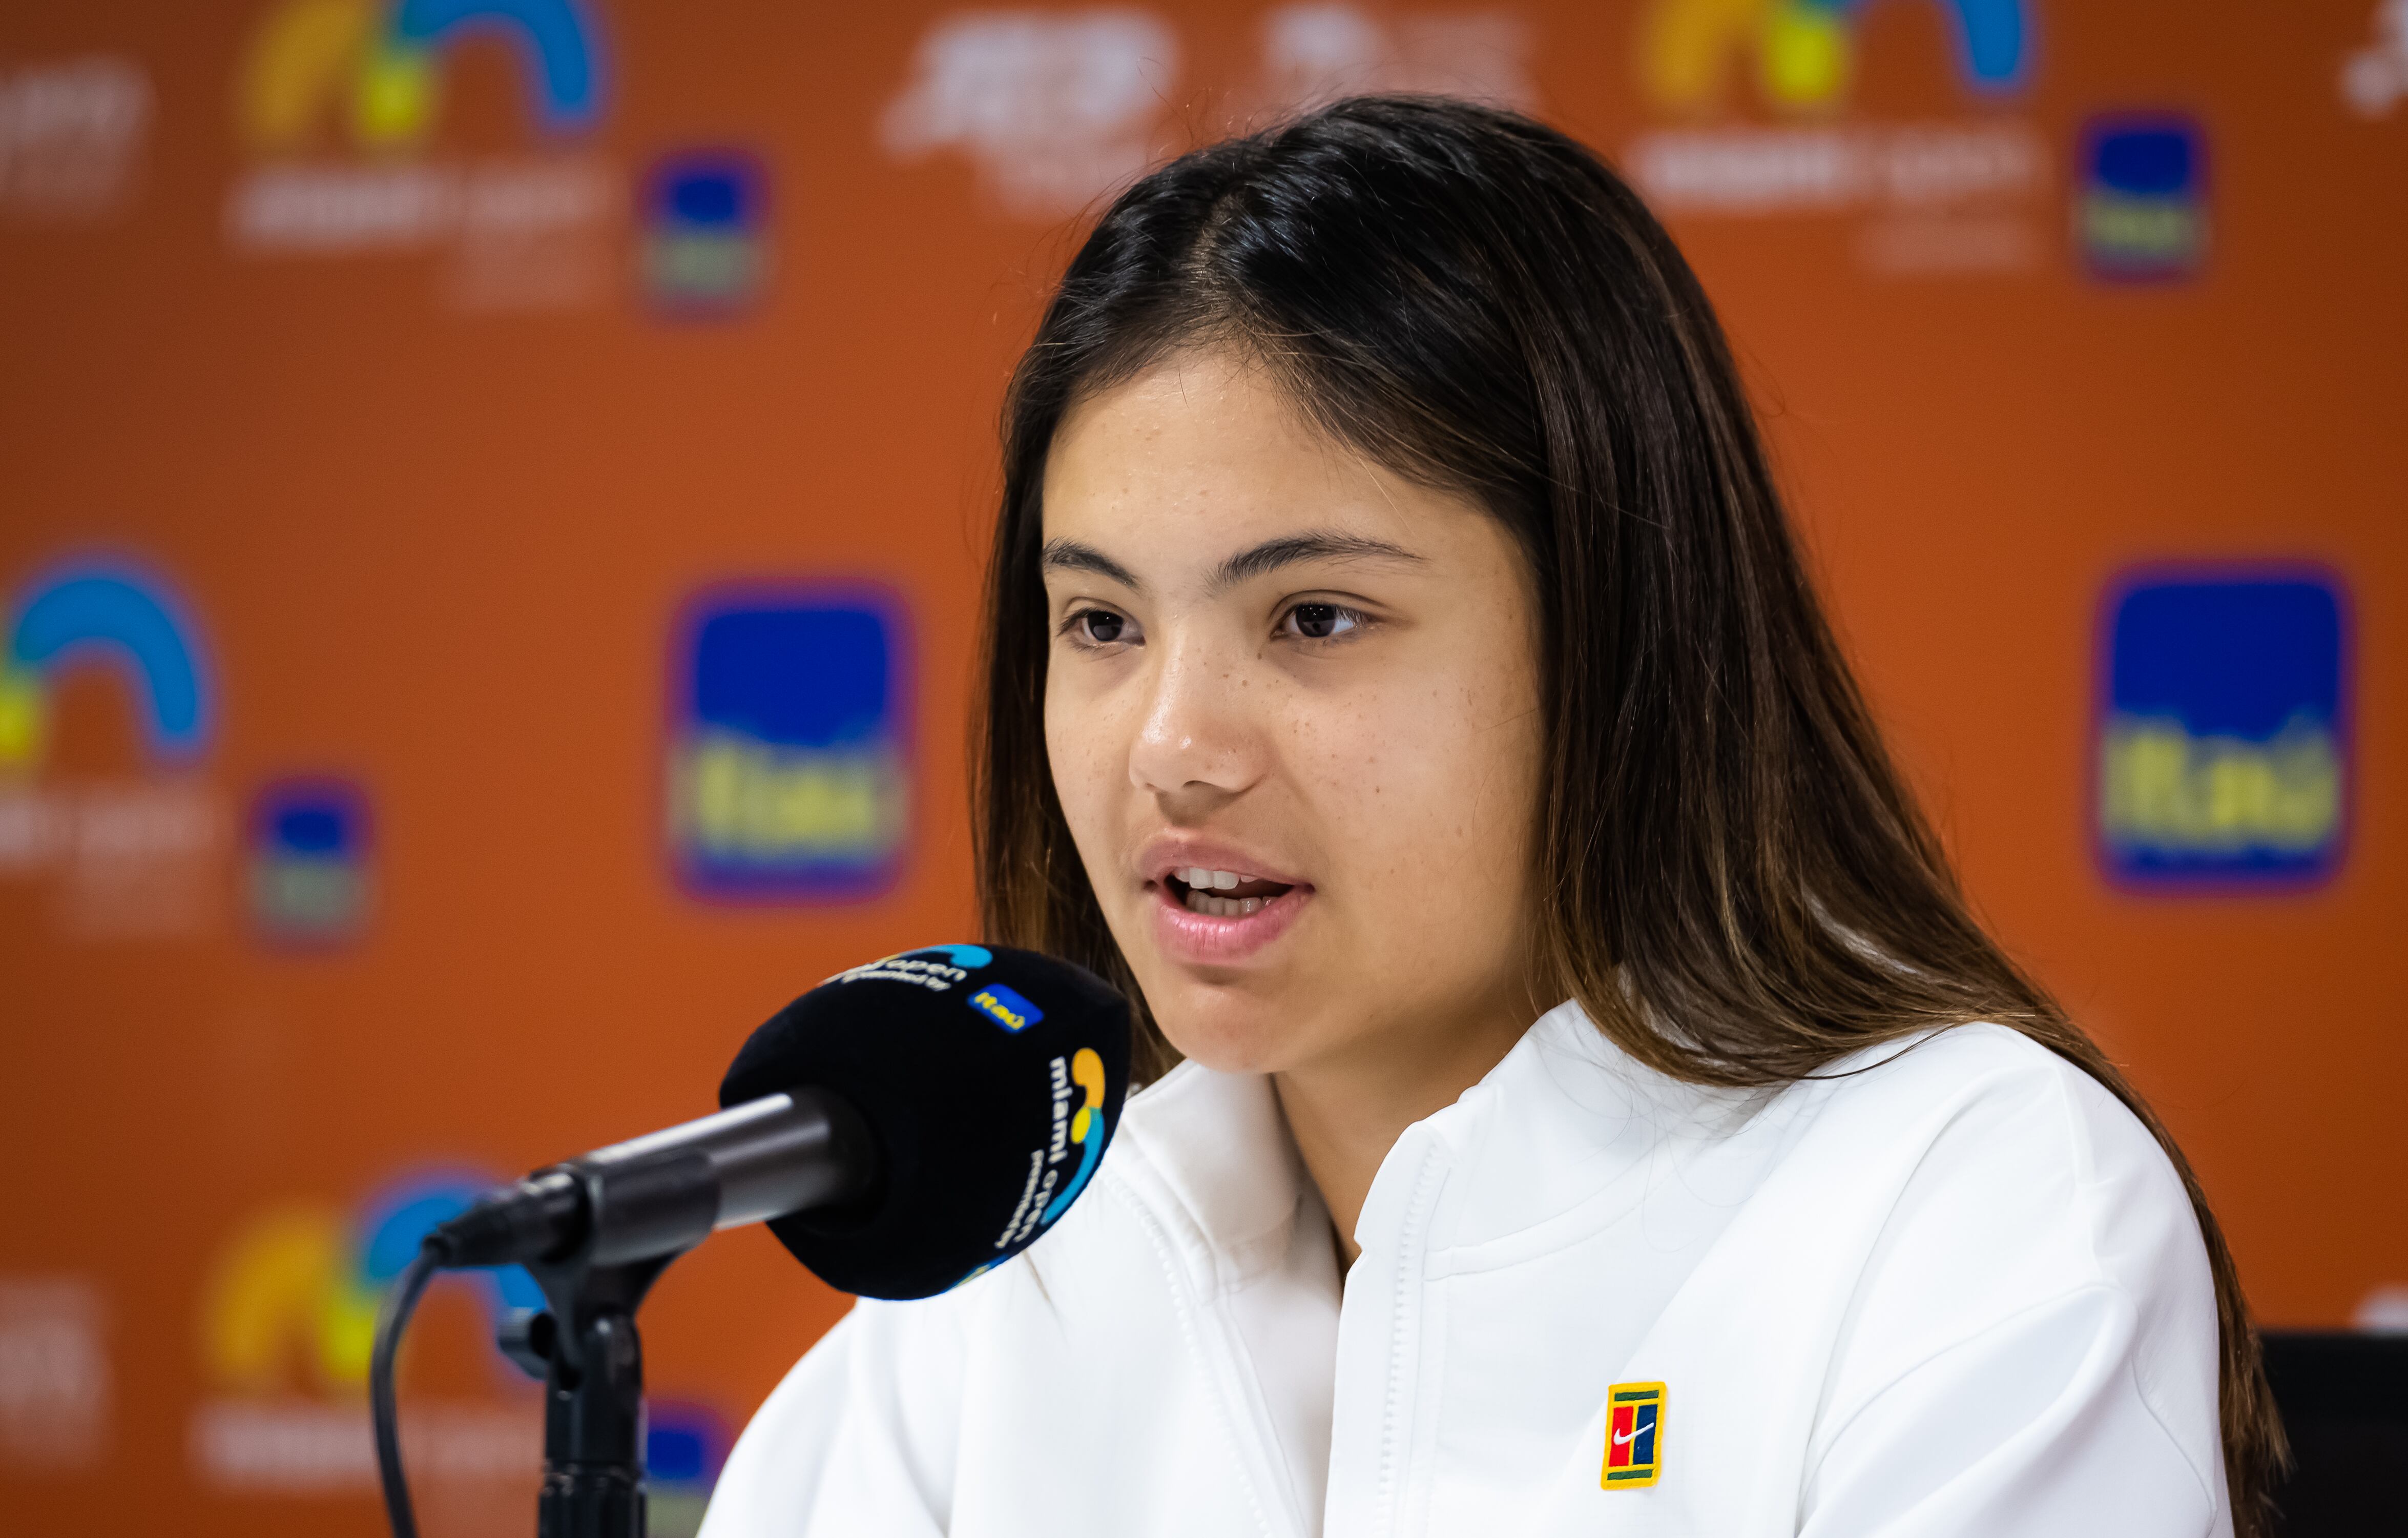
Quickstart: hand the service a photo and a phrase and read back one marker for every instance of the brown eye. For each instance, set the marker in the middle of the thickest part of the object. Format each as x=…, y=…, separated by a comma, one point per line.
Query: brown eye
x=1102, y=626
x=1321, y=621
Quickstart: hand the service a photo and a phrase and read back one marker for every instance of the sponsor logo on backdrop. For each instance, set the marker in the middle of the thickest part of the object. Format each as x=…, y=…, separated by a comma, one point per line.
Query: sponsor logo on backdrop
x=2384, y=1311
x=1318, y=53
x=1801, y=54
x=1057, y=111
x=287, y=1320
x=72, y=138
x=2223, y=747
x=1054, y=109
x=2141, y=213
x=685, y=1445
x=309, y=876
x=131, y=854
x=789, y=767
x=2373, y=79
x=55, y=1383
x=341, y=104
x=706, y=247
x=1955, y=193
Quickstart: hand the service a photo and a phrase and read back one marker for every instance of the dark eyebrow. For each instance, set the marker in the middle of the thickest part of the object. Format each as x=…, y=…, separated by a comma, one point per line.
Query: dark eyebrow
x=1320, y=545
x=1269, y=556
x=1072, y=555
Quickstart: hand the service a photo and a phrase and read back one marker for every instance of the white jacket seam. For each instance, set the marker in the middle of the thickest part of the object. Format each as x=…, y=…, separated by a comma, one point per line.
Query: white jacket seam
x=1387, y=1496
x=2086, y=1181
x=1183, y=1306
x=1838, y=1434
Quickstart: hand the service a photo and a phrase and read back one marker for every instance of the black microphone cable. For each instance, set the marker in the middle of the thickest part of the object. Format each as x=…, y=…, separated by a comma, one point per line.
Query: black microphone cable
x=392, y=1319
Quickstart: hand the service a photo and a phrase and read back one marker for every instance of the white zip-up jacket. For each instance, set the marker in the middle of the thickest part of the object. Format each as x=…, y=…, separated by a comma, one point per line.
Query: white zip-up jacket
x=1957, y=1292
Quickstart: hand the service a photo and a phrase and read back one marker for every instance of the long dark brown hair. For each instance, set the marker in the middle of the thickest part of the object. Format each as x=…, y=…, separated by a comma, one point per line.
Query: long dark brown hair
x=1732, y=878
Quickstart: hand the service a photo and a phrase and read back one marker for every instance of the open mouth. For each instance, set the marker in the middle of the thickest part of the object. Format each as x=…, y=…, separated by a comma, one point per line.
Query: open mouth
x=1221, y=893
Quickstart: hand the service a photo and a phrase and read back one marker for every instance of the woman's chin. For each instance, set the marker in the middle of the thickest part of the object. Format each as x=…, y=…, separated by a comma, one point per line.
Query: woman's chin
x=1227, y=1036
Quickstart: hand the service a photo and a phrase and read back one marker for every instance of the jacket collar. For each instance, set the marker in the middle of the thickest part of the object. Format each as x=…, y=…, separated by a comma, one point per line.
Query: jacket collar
x=1220, y=1145
x=1566, y=1124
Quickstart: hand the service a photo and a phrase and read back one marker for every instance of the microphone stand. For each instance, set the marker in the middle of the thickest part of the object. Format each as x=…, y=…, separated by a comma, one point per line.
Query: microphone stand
x=587, y=1352
x=592, y=1373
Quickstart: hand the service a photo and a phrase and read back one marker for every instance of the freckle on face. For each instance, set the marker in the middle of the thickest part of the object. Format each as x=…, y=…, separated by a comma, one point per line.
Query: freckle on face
x=1391, y=774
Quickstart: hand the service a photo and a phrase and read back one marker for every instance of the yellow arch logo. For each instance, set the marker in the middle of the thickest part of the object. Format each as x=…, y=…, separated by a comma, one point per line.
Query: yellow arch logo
x=311, y=57
x=1803, y=53
x=1805, y=50
x=287, y=1292
x=24, y=714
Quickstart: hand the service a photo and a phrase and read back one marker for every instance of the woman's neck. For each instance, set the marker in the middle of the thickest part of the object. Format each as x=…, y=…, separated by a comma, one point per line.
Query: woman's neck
x=1345, y=1113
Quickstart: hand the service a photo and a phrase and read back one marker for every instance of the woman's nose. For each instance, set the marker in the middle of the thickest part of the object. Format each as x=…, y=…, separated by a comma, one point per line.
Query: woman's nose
x=1195, y=740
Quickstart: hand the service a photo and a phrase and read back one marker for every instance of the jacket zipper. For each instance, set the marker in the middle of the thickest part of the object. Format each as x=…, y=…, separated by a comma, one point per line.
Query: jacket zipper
x=1404, y=1344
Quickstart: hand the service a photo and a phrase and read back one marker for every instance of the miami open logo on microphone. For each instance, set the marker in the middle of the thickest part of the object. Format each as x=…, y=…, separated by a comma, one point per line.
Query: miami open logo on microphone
x=1046, y=1198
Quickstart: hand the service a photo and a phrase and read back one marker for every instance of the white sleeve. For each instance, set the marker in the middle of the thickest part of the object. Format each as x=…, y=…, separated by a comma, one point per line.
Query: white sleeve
x=857, y=1440
x=2032, y=1350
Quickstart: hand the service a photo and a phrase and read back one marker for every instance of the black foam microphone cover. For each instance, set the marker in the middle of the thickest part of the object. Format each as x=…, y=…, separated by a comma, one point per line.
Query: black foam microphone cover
x=990, y=1080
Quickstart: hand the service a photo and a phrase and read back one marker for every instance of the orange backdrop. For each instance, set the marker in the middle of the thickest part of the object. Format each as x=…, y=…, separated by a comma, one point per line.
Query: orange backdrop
x=428, y=454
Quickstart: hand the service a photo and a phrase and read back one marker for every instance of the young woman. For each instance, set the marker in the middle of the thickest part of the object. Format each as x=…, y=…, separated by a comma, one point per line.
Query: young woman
x=1599, y=1113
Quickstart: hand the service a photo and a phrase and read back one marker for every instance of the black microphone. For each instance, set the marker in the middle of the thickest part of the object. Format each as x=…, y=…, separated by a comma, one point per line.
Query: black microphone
x=666, y=1192
x=902, y=1126
x=988, y=1081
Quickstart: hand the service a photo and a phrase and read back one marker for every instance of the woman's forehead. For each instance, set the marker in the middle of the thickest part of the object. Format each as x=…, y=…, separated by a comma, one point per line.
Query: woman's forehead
x=1203, y=470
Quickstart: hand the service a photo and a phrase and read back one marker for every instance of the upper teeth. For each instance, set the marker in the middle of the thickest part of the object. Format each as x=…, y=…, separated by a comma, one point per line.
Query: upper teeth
x=1203, y=880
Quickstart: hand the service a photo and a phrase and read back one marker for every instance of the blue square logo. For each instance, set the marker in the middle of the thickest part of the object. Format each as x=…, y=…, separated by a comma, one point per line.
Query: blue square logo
x=1005, y=1008
x=706, y=248
x=789, y=768
x=2141, y=214
x=308, y=867
x=2223, y=732
x=686, y=1447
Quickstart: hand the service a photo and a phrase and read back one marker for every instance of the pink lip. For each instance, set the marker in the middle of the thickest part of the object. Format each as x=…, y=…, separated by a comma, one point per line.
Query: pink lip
x=1163, y=855
x=1205, y=940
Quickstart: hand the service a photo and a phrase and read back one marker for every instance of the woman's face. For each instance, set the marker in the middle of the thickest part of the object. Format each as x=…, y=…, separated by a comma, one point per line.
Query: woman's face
x=1292, y=710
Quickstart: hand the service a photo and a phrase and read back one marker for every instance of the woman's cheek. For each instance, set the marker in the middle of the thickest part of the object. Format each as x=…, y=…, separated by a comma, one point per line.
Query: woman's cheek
x=1431, y=808
x=1077, y=744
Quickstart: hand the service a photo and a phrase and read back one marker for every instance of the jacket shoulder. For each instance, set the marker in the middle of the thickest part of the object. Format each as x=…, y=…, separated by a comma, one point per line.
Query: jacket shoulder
x=2007, y=1182
x=2039, y=1105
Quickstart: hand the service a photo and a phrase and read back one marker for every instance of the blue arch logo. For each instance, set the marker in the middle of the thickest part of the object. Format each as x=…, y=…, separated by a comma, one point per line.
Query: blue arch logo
x=397, y=1220
x=112, y=616
x=380, y=62
x=554, y=39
